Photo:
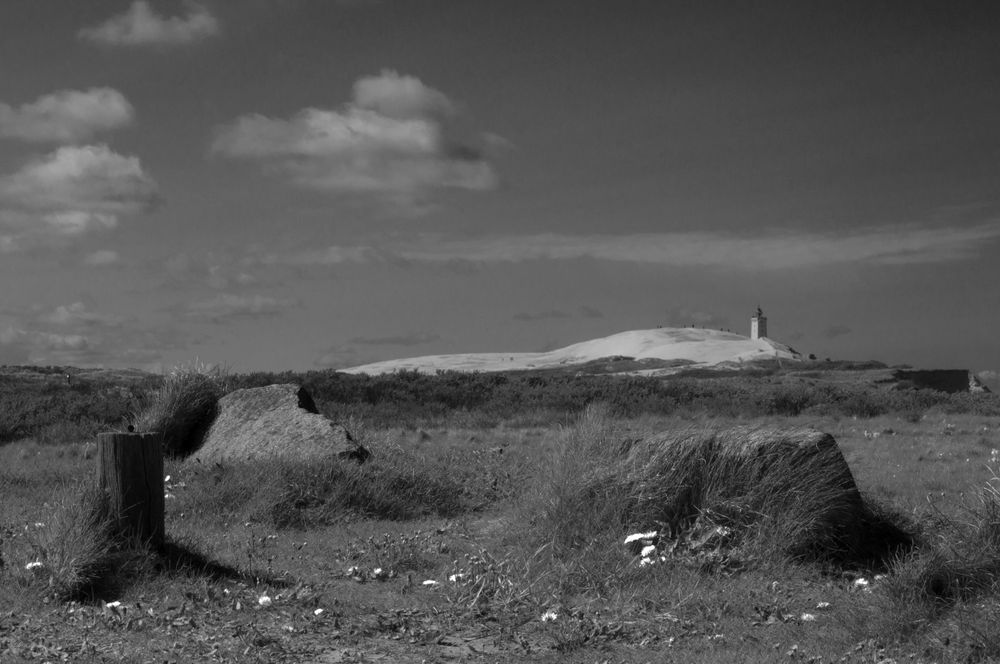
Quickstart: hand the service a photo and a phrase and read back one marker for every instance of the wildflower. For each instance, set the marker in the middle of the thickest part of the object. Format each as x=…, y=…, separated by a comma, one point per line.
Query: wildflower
x=863, y=584
x=648, y=551
x=430, y=582
x=264, y=601
x=455, y=578
x=168, y=495
x=318, y=612
x=807, y=617
x=114, y=607
x=37, y=564
x=166, y=479
x=823, y=605
x=549, y=616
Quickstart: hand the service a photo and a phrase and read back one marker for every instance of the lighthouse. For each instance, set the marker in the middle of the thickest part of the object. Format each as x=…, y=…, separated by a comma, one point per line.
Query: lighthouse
x=758, y=324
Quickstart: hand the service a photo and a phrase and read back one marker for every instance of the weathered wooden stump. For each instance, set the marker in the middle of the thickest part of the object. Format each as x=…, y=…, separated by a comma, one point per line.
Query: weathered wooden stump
x=130, y=474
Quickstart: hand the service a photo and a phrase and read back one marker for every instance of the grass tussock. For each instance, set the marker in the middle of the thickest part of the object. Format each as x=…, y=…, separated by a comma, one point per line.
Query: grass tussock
x=183, y=408
x=71, y=555
x=774, y=492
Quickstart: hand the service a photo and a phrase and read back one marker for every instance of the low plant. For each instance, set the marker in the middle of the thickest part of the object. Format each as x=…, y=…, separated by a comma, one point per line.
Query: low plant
x=72, y=553
x=184, y=406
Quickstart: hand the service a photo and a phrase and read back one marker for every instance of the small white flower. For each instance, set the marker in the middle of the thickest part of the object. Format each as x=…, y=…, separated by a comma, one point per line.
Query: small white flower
x=168, y=496
x=354, y=570
x=549, y=616
x=39, y=524
x=862, y=584
x=113, y=606
x=455, y=578
x=646, y=561
x=167, y=478
x=318, y=612
x=37, y=564
x=807, y=617
x=430, y=582
x=823, y=605
x=648, y=551
x=635, y=537
x=264, y=600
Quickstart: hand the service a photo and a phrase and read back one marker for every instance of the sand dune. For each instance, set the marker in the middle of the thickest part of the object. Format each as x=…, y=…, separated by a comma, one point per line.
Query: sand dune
x=698, y=346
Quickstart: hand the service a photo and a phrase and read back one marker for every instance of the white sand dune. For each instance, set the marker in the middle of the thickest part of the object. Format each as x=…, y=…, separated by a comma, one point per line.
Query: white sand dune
x=698, y=346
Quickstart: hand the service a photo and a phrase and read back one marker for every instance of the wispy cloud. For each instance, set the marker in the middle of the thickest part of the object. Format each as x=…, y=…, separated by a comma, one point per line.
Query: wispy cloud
x=226, y=306
x=101, y=258
x=397, y=138
x=77, y=314
x=77, y=335
x=66, y=116
x=141, y=26
x=590, y=312
x=768, y=251
x=75, y=190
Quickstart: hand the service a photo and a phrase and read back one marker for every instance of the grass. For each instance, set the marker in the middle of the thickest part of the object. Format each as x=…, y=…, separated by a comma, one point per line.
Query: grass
x=183, y=407
x=529, y=520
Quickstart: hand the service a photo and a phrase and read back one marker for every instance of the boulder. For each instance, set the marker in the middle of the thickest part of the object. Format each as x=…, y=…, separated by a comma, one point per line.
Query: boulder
x=275, y=421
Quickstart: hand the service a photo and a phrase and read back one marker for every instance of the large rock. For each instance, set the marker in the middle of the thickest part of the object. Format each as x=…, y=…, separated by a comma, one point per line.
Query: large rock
x=274, y=421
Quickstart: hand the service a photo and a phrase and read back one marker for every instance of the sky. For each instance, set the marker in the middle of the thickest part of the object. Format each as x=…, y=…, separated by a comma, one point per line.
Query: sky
x=311, y=184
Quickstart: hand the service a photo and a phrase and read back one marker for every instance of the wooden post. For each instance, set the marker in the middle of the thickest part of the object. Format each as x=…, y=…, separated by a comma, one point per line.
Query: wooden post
x=130, y=473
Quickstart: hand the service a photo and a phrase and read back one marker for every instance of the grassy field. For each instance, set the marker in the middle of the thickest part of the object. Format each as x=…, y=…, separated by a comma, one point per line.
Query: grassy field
x=465, y=541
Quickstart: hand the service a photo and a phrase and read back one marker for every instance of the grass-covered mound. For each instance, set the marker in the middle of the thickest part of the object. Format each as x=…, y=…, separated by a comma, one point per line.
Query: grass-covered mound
x=760, y=492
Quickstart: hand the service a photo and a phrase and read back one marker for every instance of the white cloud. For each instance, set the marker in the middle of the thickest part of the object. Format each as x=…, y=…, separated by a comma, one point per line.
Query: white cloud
x=141, y=26
x=74, y=190
x=396, y=138
x=230, y=305
x=896, y=245
x=101, y=258
x=66, y=116
x=77, y=313
x=772, y=251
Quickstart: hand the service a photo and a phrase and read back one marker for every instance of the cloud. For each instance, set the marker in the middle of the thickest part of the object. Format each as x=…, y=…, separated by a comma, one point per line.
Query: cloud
x=397, y=139
x=67, y=116
x=398, y=340
x=229, y=305
x=590, y=312
x=786, y=250
x=141, y=26
x=77, y=335
x=75, y=190
x=835, y=331
x=101, y=258
x=77, y=314
x=541, y=315
x=216, y=269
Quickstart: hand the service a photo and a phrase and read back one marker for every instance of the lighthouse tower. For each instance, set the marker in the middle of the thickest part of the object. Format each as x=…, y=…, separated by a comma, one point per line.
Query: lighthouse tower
x=758, y=324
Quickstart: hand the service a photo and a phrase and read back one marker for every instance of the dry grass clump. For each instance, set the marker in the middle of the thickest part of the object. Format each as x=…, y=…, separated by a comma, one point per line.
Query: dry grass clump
x=183, y=408
x=71, y=554
x=775, y=492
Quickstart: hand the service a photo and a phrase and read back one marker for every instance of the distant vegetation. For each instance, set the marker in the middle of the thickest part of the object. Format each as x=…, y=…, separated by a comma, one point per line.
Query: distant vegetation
x=42, y=404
